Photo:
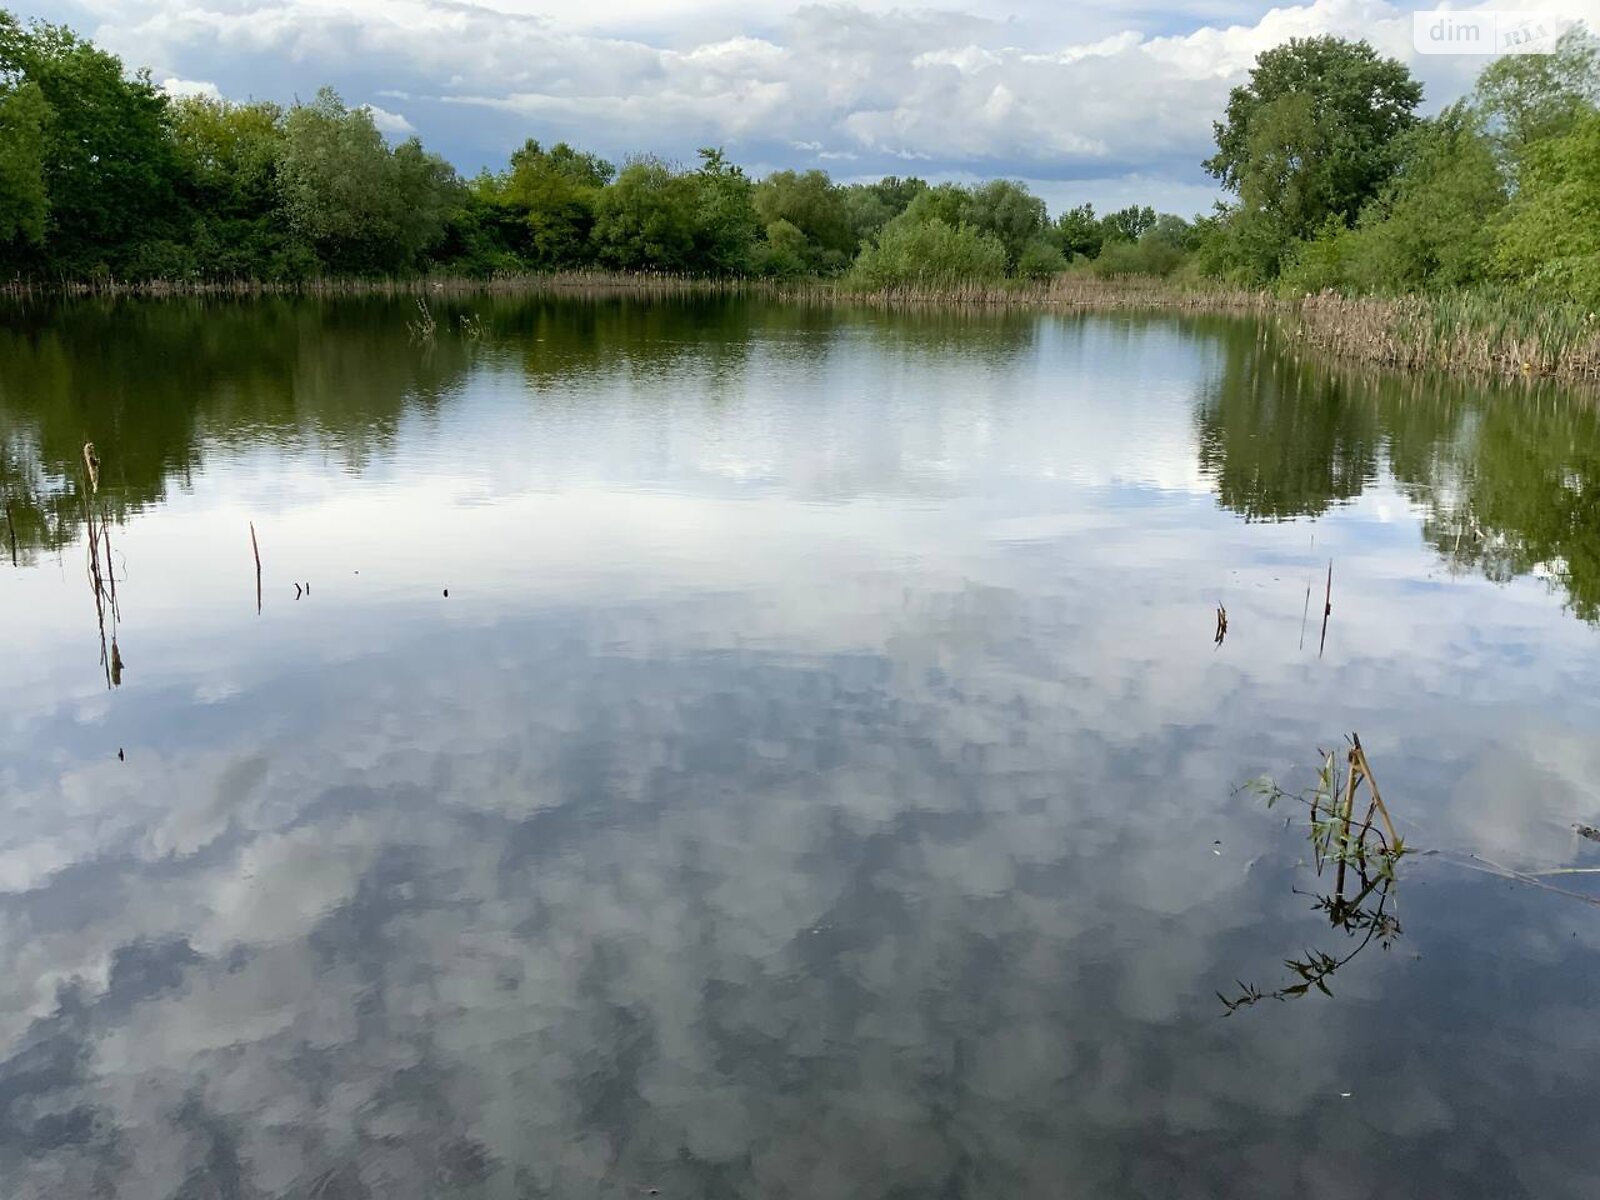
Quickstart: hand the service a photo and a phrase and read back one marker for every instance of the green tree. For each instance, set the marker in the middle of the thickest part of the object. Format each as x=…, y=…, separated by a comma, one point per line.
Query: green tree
x=645, y=220
x=783, y=252
x=364, y=206
x=915, y=252
x=550, y=199
x=814, y=205
x=871, y=206
x=228, y=156
x=107, y=155
x=1433, y=225
x=24, y=201
x=1009, y=211
x=1078, y=231
x=1313, y=135
x=1127, y=224
x=947, y=202
x=1551, y=235
x=1040, y=259
x=1524, y=98
x=727, y=227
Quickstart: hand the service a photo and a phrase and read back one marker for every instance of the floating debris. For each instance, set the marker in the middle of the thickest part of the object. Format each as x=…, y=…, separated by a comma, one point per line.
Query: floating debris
x=1222, y=625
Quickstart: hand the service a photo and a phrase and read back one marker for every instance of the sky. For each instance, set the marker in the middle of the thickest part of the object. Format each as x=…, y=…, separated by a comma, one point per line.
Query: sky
x=1105, y=102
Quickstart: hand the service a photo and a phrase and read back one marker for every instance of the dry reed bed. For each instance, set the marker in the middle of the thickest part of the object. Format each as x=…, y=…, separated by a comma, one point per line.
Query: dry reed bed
x=1504, y=336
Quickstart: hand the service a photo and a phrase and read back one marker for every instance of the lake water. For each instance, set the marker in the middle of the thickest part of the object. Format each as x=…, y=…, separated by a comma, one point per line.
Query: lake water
x=730, y=750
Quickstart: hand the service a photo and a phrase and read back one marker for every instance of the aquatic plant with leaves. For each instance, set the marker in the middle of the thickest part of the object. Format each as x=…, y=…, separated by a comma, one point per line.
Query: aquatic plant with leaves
x=1362, y=855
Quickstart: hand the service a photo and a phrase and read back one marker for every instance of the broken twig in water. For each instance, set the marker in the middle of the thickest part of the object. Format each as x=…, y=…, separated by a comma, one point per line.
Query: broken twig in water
x=1222, y=624
x=257, y=550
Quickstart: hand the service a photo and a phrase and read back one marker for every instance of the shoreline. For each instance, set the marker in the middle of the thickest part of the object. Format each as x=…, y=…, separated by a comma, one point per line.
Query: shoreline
x=1463, y=335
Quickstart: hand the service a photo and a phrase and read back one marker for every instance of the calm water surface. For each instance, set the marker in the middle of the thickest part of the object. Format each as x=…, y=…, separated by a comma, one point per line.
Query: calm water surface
x=820, y=779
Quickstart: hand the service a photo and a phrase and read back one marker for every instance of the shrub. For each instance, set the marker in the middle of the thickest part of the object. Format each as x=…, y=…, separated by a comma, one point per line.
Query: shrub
x=930, y=254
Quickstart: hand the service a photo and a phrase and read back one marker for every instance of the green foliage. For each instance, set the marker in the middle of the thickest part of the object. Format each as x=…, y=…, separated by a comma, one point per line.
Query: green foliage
x=1127, y=224
x=363, y=206
x=107, y=153
x=784, y=252
x=947, y=202
x=1551, y=236
x=1006, y=209
x=548, y=201
x=817, y=207
x=1002, y=208
x=1524, y=98
x=1079, y=232
x=727, y=227
x=871, y=206
x=923, y=252
x=228, y=156
x=1432, y=228
x=1313, y=134
x=1040, y=259
x=646, y=219
x=1150, y=255
x=24, y=199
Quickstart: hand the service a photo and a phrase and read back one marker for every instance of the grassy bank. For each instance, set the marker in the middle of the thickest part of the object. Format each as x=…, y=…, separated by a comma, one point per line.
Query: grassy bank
x=1460, y=333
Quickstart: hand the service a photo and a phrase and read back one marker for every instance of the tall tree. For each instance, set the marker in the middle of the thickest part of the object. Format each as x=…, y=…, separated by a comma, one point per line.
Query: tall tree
x=1009, y=211
x=365, y=207
x=107, y=154
x=24, y=201
x=1313, y=133
x=1526, y=97
x=646, y=219
x=552, y=197
x=814, y=205
x=1551, y=234
x=727, y=226
x=1127, y=224
x=1078, y=231
x=1433, y=225
x=228, y=157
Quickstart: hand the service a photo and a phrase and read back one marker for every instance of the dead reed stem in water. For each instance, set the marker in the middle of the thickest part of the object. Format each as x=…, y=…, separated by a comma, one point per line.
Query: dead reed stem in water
x=1327, y=610
x=257, y=551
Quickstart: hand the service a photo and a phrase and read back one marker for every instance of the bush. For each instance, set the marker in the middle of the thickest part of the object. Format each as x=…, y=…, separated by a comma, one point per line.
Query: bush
x=1148, y=256
x=784, y=253
x=1040, y=259
x=928, y=254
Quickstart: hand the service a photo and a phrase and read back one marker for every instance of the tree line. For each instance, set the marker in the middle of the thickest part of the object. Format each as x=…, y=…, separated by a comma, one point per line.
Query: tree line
x=104, y=175
x=1335, y=183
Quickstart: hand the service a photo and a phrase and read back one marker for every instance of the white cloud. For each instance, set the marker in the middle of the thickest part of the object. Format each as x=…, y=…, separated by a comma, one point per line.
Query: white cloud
x=1035, y=91
x=389, y=122
x=191, y=87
